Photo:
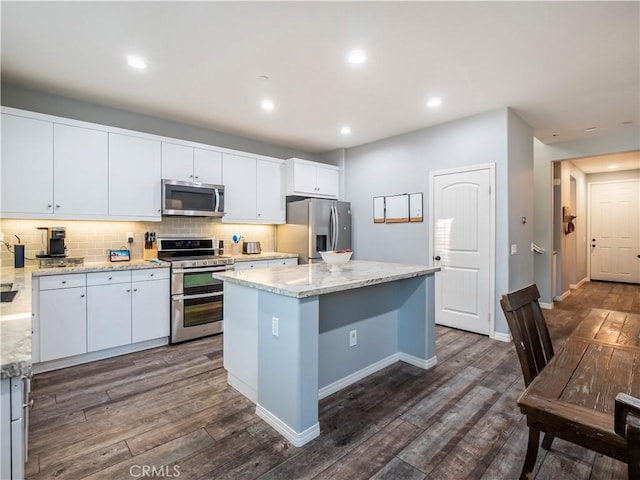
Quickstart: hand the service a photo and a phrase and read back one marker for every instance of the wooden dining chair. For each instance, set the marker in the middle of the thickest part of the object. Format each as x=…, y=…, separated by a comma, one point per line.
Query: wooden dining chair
x=534, y=348
x=627, y=425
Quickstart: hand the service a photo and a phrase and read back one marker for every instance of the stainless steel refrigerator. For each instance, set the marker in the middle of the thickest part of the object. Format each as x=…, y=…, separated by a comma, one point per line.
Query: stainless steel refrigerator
x=315, y=225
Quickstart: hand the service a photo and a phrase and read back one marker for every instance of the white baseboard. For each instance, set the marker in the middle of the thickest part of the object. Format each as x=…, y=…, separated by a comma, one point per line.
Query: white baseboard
x=579, y=284
x=356, y=376
x=546, y=306
x=373, y=368
x=418, y=362
x=295, y=438
x=503, y=337
x=563, y=296
x=242, y=387
x=99, y=355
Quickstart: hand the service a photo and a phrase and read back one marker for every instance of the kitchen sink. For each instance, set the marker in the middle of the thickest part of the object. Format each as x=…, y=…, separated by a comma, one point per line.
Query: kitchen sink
x=6, y=287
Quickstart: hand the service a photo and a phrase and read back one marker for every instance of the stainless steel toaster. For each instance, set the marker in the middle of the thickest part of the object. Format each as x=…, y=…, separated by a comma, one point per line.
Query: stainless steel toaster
x=251, y=247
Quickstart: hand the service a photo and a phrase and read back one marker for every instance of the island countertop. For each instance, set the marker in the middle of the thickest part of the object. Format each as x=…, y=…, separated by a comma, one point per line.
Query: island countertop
x=308, y=280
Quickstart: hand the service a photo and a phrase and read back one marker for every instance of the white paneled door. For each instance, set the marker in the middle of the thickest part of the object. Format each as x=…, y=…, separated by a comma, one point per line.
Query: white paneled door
x=461, y=239
x=615, y=231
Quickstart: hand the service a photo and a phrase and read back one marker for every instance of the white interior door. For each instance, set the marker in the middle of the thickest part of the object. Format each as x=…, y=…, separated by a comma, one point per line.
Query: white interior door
x=461, y=226
x=615, y=231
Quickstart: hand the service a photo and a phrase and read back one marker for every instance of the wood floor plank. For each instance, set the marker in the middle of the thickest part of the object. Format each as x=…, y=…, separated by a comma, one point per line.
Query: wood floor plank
x=84, y=465
x=163, y=455
x=397, y=469
x=371, y=455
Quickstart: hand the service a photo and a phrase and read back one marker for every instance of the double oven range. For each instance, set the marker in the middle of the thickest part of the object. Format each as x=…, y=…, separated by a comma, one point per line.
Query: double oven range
x=196, y=297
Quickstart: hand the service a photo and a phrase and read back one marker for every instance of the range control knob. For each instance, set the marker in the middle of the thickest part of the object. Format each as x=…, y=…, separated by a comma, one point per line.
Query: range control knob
x=204, y=262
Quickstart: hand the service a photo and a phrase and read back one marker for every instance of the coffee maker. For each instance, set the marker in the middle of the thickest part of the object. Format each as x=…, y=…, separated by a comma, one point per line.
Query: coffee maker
x=55, y=242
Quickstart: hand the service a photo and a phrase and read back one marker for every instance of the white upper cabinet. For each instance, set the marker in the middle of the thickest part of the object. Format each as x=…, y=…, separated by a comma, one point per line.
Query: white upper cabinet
x=207, y=166
x=80, y=158
x=27, y=166
x=312, y=179
x=270, y=206
x=134, y=177
x=189, y=164
x=239, y=178
x=253, y=190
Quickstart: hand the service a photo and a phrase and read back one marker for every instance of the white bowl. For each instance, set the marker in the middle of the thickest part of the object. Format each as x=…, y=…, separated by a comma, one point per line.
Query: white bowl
x=336, y=259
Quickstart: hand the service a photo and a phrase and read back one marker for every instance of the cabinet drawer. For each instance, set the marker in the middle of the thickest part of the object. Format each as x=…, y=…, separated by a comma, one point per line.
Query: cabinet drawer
x=249, y=265
x=51, y=282
x=105, y=278
x=283, y=262
x=149, y=274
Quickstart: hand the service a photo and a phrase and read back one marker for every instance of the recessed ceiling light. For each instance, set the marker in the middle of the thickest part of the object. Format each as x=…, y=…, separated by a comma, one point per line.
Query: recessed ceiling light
x=612, y=167
x=555, y=134
x=357, y=56
x=627, y=122
x=263, y=78
x=136, y=62
x=590, y=129
x=267, y=104
x=434, y=102
x=345, y=130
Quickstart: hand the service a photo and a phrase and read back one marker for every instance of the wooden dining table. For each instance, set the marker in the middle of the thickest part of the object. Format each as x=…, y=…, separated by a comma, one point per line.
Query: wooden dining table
x=573, y=398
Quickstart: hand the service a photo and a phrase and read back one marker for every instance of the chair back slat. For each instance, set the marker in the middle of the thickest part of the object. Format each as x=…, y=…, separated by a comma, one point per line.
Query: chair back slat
x=627, y=425
x=529, y=330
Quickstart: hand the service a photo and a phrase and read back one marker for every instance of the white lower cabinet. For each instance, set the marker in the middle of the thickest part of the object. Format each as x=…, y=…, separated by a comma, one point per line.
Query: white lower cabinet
x=63, y=316
x=283, y=262
x=274, y=262
x=81, y=313
x=108, y=310
x=150, y=303
x=13, y=437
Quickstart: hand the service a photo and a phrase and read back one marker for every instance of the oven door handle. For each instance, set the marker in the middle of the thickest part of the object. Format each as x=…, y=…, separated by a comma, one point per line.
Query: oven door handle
x=200, y=270
x=198, y=295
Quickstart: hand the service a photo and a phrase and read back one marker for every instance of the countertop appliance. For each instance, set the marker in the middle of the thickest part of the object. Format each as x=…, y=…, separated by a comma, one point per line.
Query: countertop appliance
x=55, y=243
x=251, y=247
x=196, y=297
x=192, y=199
x=315, y=225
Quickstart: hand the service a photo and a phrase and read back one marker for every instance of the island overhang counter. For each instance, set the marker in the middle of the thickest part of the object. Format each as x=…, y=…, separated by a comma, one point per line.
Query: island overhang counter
x=289, y=333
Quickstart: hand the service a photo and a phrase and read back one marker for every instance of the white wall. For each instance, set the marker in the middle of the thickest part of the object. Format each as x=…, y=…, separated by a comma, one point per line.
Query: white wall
x=521, y=203
x=542, y=224
x=402, y=164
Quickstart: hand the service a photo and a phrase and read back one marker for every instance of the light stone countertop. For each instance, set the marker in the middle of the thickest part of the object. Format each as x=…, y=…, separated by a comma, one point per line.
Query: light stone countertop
x=15, y=316
x=308, y=280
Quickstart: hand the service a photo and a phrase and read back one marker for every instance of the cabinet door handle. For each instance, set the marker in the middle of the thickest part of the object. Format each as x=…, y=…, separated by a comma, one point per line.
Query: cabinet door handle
x=64, y=281
x=135, y=289
x=128, y=290
x=49, y=205
x=57, y=206
x=110, y=278
x=82, y=296
x=151, y=274
x=197, y=177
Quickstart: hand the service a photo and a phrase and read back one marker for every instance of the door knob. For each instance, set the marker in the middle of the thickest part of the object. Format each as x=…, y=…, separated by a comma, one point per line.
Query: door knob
x=437, y=258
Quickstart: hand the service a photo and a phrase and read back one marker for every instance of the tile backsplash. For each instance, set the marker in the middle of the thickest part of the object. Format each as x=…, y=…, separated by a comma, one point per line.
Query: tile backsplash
x=92, y=239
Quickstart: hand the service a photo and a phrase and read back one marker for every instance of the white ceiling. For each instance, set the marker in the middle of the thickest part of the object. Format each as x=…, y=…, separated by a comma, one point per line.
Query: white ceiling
x=614, y=162
x=562, y=66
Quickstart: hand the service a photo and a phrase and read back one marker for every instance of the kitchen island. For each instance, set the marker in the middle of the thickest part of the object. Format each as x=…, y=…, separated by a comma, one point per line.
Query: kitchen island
x=296, y=334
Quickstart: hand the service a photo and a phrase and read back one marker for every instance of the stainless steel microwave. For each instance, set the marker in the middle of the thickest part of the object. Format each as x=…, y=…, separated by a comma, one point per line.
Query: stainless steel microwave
x=192, y=199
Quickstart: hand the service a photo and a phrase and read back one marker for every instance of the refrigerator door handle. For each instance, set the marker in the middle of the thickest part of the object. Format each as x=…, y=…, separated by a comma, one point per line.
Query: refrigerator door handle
x=336, y=228
x=332, y=229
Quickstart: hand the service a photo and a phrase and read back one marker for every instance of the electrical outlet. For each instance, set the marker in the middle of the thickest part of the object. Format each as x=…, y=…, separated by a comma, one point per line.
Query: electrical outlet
x=353, y=338
x=129, y=237
x=514, y=249
x=275, y=326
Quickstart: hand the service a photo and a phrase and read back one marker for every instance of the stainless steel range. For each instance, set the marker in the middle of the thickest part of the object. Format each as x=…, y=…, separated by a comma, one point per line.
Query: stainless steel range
x=196, y=297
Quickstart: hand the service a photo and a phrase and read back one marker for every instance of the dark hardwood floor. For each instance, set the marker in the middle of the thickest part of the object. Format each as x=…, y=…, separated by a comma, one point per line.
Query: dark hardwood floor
x=168, y=413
